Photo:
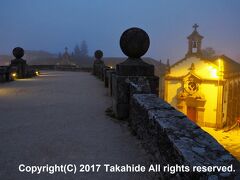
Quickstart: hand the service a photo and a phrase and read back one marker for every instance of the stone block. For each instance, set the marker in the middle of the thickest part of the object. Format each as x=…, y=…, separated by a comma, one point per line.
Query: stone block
x=121, y=92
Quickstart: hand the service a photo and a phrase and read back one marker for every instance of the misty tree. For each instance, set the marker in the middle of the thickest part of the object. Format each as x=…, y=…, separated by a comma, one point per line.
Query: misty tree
x=84, y=49
x=59, y=55
x=77, y=51
x=208, y=52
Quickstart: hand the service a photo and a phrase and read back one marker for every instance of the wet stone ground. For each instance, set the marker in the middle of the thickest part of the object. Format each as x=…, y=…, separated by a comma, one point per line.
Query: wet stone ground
x=59, y=118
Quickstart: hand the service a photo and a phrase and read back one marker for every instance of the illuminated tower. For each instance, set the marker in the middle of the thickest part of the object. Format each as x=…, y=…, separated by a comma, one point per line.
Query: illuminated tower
x=194, y=43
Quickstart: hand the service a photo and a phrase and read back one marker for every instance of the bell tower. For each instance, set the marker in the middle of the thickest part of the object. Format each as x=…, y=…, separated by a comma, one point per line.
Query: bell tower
x=194, y=43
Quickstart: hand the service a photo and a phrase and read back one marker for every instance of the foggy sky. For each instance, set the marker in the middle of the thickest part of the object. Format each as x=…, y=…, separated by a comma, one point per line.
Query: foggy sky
x=53, y=24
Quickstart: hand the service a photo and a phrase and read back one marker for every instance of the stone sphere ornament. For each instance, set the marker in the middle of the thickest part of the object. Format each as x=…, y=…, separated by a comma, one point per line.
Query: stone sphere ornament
x=18, y=52
x=134, y=42
x=98, y=54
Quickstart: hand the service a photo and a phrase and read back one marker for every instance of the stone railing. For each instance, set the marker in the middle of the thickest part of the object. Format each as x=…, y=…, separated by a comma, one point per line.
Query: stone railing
x=167, y=134
x=4, y=74
x=62, y=68
x=18, y=69
x=171, y=138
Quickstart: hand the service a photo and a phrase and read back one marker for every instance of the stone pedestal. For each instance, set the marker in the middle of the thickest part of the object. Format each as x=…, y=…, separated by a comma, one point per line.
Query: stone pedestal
x=105, y=76
x=98, y=64
x=134, y=43
x=121, y=92
x=18, y=64
x=3, y=76
x=110, y=74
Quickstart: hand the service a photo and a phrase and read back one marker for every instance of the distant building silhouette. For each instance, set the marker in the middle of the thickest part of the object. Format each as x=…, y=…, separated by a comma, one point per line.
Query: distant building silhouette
x=66, y=59
x=84, y=49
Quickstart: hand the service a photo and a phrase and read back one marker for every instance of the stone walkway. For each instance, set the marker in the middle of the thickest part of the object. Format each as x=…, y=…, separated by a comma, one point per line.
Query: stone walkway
x=59, y=118
x=230, y=140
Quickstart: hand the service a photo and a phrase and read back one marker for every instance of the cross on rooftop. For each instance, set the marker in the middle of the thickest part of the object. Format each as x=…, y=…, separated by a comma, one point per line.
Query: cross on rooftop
x=195, y=26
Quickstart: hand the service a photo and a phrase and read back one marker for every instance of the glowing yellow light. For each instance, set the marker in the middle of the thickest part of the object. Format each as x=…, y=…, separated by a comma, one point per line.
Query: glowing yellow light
x=37, y=73
x=213, y=72
x=111, y=67
x=14, y=74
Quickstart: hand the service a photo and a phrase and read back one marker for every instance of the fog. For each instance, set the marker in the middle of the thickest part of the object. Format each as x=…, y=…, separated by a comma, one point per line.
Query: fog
x=50, y=25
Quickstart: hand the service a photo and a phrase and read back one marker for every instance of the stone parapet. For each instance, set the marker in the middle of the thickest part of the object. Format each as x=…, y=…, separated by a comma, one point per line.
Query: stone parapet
x=121, y=92
x=110, y=74
x=171, y=138
x=105, y=77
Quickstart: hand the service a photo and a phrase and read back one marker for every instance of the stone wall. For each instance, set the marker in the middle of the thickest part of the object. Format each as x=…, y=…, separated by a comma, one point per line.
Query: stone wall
x=121, y=92
x=61, y=68
x=167, y=134
x=171, y=138
x=3, y=74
